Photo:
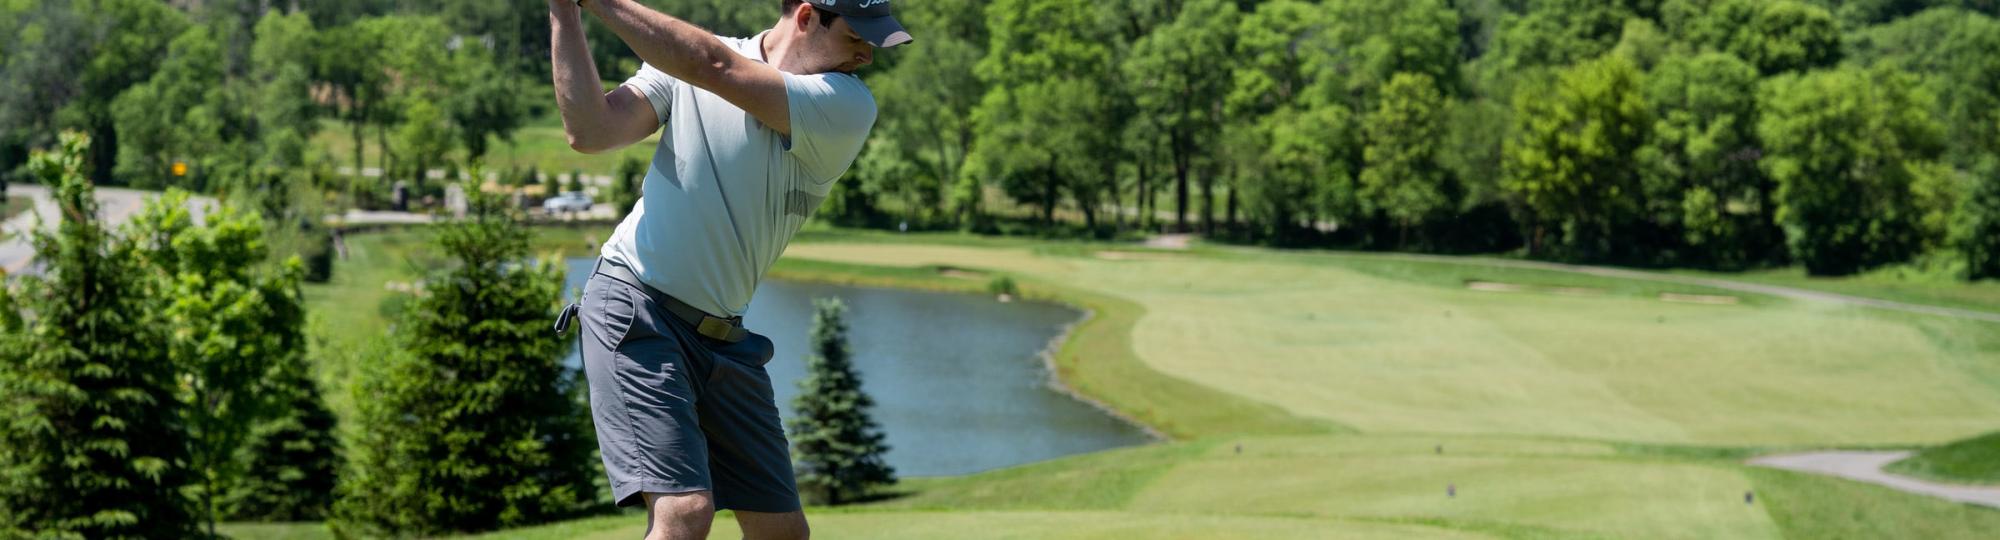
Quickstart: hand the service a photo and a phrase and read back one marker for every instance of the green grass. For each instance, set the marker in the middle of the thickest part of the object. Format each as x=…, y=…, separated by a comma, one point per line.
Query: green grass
x=1808, y=506
x=1894, y=284
x=1338, y=395
x=1971, y=461
x=1387, y=346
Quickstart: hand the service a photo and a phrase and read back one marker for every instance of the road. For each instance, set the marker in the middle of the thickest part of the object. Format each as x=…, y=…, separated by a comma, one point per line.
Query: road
x=114, y=205
x=1867, y=467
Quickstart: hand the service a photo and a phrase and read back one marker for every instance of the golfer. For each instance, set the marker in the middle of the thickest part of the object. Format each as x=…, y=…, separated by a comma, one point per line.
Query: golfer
x=757, y=130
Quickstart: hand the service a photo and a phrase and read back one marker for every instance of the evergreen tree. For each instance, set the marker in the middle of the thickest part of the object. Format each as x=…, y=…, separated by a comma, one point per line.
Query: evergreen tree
x=837, y=444
x=291, y=458
x=478, y=425
x=91, y=444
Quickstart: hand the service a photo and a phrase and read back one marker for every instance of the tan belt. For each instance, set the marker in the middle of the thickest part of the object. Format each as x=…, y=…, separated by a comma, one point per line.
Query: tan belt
x=728, y=330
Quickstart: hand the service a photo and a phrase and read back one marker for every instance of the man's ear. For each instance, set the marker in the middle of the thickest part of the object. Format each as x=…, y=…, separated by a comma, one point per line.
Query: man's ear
x=802, y=17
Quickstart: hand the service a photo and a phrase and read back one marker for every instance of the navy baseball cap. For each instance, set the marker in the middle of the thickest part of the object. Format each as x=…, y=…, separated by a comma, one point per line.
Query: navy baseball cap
x=870, y=18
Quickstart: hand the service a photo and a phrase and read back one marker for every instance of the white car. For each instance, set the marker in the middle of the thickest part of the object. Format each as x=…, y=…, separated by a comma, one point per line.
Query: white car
x=568, y=201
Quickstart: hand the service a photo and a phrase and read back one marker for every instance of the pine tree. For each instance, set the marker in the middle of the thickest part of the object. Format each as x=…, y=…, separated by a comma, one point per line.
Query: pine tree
x=292, y=458
x=91, y=444
x=478, y=425
x=837, y=444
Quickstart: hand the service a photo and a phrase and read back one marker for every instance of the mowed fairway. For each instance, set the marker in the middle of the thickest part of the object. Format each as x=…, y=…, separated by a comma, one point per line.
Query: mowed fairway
x=1573, y=407
x=1394, y=346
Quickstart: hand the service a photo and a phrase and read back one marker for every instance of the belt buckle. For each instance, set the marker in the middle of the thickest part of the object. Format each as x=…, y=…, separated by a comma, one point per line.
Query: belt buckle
x=714, y=328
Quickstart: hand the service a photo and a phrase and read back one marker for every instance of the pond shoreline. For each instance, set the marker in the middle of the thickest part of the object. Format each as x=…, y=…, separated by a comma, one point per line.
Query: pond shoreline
x=1056, y=382
x=1048, y=354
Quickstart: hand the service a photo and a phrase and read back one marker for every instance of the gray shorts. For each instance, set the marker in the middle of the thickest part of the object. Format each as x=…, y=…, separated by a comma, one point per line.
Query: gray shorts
x=677, y=412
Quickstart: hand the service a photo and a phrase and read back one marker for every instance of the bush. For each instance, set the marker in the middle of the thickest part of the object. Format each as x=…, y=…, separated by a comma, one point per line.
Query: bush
x=1002, y=285
x=479, y=425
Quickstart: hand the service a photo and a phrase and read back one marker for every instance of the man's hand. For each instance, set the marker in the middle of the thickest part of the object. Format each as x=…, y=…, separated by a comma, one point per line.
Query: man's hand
x=593, y=120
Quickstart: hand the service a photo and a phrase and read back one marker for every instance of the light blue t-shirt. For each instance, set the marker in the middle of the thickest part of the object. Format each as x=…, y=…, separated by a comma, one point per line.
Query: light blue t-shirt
x=725, y=193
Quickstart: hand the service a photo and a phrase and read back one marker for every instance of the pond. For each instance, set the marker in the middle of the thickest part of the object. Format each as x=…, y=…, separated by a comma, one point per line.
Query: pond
x=958, y=379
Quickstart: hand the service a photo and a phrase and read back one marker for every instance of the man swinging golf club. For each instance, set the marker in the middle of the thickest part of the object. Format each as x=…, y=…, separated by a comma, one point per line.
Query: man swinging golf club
x=757, y=130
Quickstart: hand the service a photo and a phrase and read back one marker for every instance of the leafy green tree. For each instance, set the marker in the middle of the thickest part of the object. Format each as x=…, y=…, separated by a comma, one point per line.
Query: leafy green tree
x=1859, y=13
x=425, y=137
x=1700, y=169
x=37, y=75
x=836, y=442
x=1044, y=116
x=1569, y=158
x=1471, y=150
x=1845, y=147
x=486, y=103
x=179, y=115
x=923, y=142
x=1296, y=145
x=1957, y=55
x=1402, y=178
x=1307, y=169
x=478, y=425
x=281, y=66
x=137, y=34
x=233, y=326
x=1172, y=70
x=1274, y=47
x=1564, y=32
x=91, y=445
x=1976, y=225
x=1371, y=42
x=1777, y=36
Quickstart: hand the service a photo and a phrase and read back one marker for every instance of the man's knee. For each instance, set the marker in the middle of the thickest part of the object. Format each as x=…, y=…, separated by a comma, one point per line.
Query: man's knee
x=679, y=515
x=773, y=526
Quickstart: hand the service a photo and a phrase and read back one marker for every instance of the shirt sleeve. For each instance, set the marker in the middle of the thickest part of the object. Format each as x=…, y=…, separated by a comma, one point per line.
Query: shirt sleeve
x=657, y=86
x=831, y=116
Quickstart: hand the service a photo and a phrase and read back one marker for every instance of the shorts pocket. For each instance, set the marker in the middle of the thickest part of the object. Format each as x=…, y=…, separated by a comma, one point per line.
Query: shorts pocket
x=609, y=303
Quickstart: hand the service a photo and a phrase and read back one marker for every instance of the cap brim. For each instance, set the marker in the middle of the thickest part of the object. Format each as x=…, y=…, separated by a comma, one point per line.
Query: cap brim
x=881, y=32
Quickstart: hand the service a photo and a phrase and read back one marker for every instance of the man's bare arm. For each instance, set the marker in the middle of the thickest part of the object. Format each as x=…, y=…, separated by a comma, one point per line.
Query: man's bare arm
x=594, y=120
x=696, y=57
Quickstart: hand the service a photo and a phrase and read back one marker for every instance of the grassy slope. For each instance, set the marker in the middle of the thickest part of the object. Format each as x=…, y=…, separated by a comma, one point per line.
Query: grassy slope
x=1893, y=284
x=1971, y=461
x=1403, y=346
x=1324, y=480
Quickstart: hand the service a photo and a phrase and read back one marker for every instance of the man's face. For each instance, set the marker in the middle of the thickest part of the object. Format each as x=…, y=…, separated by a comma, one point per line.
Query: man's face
x=836, y=47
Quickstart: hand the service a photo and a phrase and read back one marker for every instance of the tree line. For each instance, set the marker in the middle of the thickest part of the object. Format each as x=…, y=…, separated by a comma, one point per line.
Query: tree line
x=1839, y=135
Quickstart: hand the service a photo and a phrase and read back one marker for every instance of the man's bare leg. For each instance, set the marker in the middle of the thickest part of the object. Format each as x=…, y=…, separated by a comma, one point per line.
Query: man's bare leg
x=679, y=516
x=768, y=526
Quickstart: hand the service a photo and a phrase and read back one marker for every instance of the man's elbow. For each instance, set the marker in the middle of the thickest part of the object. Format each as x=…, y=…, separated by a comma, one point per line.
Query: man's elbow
x=587, y=145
